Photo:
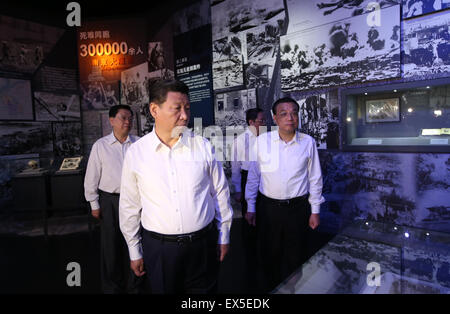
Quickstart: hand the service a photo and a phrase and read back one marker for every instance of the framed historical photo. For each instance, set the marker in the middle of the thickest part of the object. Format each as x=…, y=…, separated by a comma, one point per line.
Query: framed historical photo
x=71, y=163
x=383, y=110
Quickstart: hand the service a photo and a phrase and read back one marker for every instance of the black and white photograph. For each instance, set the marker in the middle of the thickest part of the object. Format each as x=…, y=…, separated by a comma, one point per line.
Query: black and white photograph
x=383, y=110
x=25, y=137
x=341, y=53
x=192, y=17
x=134, y=85
x=319, y=118
x=412, y=8
x=426, y=44
x=233, y=16
x=228, y=62
x=70, y=163
x=67, y=139
x=229, y=108
x=99, y=95
x=16, y=102
x=21, y=55
x=307, y=14
x=155, y=58
x=262, y=51
x=56, y=107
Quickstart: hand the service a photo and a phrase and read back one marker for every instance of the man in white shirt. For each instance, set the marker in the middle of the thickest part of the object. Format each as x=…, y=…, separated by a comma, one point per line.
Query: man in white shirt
x=284, y=193
x=173, y=186
x=240, y=164
x=102, y=187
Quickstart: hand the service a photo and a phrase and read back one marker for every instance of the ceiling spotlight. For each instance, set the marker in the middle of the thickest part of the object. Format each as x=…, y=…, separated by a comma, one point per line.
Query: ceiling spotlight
x=428, y=87
x=410, y=109
x=395, y=90
x=395, y=228
x=406, y=235
x=438, y=113
x=365, y=94
x=349, y=119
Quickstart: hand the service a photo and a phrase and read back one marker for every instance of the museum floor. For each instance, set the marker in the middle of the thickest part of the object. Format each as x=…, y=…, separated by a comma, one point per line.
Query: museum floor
x=33, y=264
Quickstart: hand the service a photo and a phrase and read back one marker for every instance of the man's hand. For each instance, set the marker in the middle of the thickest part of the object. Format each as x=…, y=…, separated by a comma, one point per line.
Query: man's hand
x=137, y=266
x=251, y=218
x=222, y=250
x=237, y=196
x=96, y=213
x=314, y=221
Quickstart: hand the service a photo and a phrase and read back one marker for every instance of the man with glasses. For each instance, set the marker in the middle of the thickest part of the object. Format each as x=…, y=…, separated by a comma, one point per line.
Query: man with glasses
x=284, y=193
x=102, y=188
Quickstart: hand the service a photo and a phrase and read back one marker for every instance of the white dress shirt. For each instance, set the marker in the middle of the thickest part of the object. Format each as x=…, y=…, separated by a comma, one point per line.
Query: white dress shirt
x=285, y=170
x=104, y=168
x=172, y=190
x=241, y=157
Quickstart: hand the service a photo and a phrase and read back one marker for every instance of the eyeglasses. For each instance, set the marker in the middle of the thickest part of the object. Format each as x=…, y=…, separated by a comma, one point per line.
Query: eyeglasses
x=260, y=120
x=123, y=119
x=284, y=115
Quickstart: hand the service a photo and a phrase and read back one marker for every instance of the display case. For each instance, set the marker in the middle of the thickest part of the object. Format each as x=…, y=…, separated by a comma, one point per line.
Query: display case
x=369, y=257
x=402, y=117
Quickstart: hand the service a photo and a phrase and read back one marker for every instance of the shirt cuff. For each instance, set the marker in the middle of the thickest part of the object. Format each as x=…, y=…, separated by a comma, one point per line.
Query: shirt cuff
x=135, y=252
x=315, y=209
x=95, y=205
x=251, y=207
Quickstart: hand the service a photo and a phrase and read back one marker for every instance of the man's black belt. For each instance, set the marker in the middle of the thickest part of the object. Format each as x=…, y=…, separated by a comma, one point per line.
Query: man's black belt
x=288, y=202
x=113, y=194
x=181, y=238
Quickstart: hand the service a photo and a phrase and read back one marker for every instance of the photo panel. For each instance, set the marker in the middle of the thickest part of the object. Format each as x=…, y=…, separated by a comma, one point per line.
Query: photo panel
x=319, y=118
x=16, y=101
x=24, y=44
x=413, y=8
x=426, y=45
x=343, y=52
x=228, y=63
x=234, y=16
x=308, y=14
x=25, y=138
x=262, y=51
x=99, y=95
x=67, y=139
x=56, y=107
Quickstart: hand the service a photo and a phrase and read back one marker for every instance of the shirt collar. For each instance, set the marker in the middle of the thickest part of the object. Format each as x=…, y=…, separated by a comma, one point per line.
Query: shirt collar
x=276, y=137
x=250, y=133
x=155, y=142
x=112, y=139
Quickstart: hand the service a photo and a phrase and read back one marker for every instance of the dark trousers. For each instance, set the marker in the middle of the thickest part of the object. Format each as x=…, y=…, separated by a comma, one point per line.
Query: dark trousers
x=282, y=231
x=188, y=267
x=116, y=274
x=248, y=234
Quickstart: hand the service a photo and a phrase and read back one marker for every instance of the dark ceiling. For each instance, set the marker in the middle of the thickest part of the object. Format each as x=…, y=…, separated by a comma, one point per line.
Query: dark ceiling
x=54, y=12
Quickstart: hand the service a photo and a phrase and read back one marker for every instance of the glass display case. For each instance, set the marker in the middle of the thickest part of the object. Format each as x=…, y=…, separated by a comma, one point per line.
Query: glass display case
x=403, y=117
x=370, y=257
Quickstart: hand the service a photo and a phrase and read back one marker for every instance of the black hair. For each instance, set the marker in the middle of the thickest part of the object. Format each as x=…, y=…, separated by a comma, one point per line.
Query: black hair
x=284, y=100
x=158, y=90
x=115, y=109
x=252, y=114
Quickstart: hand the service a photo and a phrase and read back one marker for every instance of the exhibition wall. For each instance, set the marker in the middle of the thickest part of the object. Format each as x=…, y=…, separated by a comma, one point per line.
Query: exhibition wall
x=236, y=55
